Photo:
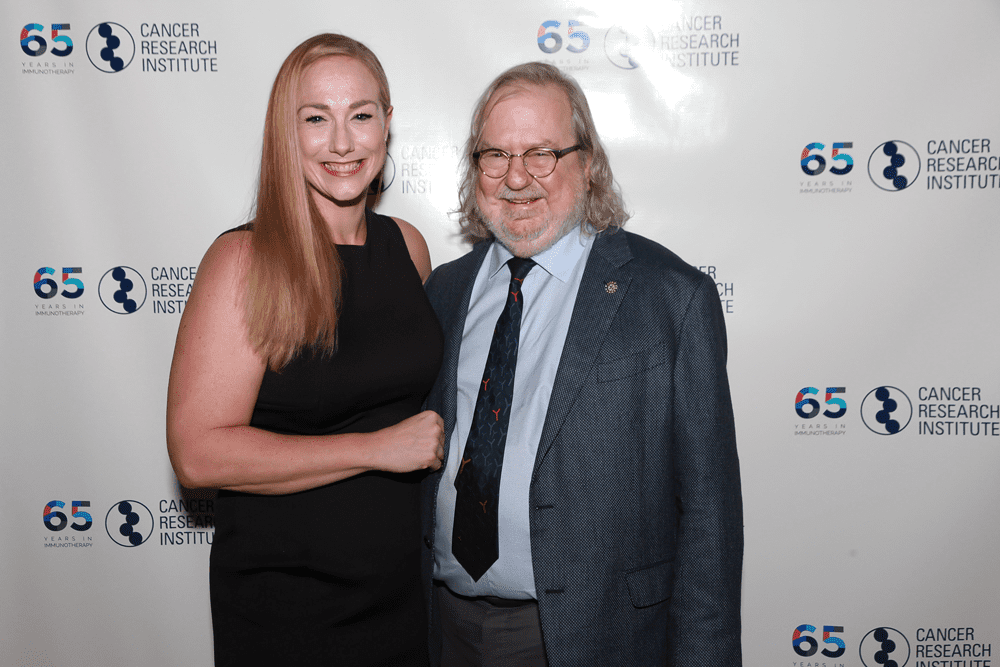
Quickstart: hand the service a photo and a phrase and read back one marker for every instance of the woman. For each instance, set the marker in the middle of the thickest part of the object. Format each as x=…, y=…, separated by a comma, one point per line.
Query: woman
x=303, y=356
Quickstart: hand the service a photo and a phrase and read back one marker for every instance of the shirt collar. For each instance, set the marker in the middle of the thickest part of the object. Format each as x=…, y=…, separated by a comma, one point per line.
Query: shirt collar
x=558, y=260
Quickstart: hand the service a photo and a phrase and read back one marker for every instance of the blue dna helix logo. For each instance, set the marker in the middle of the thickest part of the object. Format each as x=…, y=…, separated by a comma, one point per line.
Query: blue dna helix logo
x=129, y=523
x=886, y=410
x=110, y=47
x=122, y=290
x=894, y=166
x=885, y=647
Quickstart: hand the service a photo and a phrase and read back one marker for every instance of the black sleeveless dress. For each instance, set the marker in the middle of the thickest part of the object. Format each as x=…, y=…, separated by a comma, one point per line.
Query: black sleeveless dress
x=331, y=576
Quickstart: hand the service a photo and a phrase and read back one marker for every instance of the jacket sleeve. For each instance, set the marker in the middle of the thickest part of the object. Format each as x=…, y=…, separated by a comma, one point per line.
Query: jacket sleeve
x=705, y=608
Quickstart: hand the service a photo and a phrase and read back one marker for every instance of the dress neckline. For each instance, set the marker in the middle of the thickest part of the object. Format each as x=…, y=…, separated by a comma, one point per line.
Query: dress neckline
x=369, y=225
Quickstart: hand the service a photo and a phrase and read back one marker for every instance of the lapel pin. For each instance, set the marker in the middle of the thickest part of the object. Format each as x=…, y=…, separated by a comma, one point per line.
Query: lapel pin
x=611, y=287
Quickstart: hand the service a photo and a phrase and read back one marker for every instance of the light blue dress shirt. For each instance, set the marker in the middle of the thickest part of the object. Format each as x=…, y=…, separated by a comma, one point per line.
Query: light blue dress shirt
x=549, y=294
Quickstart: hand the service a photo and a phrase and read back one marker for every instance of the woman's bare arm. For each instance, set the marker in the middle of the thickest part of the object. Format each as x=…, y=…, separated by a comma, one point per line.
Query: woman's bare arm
x=417, y=247
x=214, y=381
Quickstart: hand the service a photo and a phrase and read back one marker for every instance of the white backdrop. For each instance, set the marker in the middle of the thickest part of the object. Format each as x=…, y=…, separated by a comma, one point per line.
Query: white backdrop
x=835, y=284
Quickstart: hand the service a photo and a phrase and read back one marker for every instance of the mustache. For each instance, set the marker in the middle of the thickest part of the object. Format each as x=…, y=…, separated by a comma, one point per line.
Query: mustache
x=532, y=192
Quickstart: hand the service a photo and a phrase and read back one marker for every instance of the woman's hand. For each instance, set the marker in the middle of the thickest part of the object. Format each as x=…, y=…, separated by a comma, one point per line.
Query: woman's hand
x=416, y=443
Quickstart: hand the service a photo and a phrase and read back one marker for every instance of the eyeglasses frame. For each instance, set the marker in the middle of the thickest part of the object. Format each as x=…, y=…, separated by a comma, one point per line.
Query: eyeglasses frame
x=559, y=154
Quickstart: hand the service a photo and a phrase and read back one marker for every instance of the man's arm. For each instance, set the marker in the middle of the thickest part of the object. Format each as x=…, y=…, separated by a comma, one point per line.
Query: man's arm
x=705, y=610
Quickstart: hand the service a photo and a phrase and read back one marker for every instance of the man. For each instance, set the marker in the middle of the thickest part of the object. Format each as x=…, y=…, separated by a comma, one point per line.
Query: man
x=589, y=510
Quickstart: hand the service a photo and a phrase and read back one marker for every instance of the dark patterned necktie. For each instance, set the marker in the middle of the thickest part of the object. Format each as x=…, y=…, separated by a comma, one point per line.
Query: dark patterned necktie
x=474, y=539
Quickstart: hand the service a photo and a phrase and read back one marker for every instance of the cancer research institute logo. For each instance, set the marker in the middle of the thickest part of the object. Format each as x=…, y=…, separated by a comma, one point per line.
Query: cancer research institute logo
x=129, y=523
x=885, y=647
x=110, y=47
x=122, y=290
x=625, y=48
x=388, y=176
x=886, y=410
x=894, y=166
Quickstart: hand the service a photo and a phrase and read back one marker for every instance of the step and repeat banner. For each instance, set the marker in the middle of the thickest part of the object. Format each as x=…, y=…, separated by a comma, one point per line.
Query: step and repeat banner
x=834, y=166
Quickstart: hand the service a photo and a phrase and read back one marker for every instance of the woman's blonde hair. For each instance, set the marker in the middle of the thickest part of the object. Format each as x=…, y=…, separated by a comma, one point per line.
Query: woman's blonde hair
x=295, y=272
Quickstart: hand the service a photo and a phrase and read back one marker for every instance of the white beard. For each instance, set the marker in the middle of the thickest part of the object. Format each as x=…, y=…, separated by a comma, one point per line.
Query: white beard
x=522, y=244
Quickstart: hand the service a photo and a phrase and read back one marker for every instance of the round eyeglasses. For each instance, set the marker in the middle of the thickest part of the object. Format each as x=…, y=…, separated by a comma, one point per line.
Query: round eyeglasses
x=538, y=162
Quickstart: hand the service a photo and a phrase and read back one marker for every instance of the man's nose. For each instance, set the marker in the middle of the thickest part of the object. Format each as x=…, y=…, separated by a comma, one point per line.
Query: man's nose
x=517, y=176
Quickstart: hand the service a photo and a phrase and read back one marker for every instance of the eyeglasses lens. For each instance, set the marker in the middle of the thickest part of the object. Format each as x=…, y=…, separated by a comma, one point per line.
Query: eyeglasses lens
x=539, y=163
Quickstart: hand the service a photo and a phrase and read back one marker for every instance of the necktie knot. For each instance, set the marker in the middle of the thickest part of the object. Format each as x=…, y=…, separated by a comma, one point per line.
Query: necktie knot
x=519, y=267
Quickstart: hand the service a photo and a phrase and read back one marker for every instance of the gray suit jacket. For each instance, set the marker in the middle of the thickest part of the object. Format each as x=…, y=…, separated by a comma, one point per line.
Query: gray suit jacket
x=636, y=511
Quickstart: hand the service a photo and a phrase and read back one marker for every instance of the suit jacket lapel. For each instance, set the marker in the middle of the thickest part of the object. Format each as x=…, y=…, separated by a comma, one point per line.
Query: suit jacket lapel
x=456, y=312
x=605, y=282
